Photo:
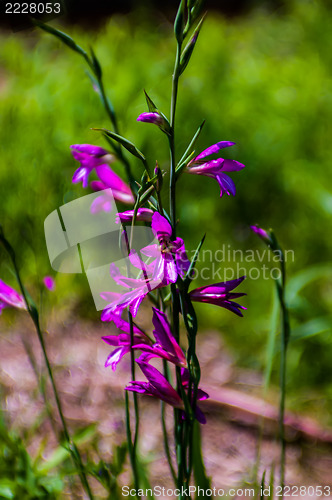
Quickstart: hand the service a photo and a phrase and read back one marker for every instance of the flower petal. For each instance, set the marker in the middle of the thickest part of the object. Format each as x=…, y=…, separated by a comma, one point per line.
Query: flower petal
x=161, y=227
x=214, y=149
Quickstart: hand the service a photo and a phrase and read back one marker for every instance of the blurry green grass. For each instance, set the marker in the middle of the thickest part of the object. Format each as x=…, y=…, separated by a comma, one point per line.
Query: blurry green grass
x=263, y=81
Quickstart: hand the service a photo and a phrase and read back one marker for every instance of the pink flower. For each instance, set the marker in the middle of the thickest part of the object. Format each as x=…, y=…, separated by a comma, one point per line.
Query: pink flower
x=49, y=283
x=220, y=294
x=216, y=168
x=143, y=215
x=90, y=157
x=10, y=297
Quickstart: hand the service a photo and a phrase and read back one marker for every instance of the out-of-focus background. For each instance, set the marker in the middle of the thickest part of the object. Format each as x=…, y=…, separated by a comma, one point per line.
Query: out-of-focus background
x=260, y=76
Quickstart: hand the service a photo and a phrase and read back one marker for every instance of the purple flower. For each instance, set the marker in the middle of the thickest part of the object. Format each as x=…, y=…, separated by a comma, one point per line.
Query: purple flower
x=166, y=346
x=220, y=294
x=109, y=180
x=90, y=157
x=171, y=258
x=155, y=118
x=138, y=289
x=156, y=386
x=123, y=341
x=143, y=214
x=10, y=297
x=216, y=168
x=49, y=283
x=264, y=235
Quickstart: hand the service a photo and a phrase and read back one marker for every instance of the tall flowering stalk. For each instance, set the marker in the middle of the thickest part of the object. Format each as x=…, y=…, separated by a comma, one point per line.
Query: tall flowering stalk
x=161, y=271
x=271, y=241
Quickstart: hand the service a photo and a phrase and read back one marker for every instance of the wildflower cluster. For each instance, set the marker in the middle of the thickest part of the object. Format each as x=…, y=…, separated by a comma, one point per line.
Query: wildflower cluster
x=160, y=271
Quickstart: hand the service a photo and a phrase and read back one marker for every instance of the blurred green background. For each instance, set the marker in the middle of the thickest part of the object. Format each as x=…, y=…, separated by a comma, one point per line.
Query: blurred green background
x=262, y=80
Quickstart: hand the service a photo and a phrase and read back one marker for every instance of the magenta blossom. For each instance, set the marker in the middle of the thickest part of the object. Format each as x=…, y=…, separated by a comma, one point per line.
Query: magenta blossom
x=216, y=168
x=171, y=258
x=165, y=347
x=264, y=235
x=138, y=288
x=220, y=294
x=143, y=215
x=10, y=297
x=123, y=341
x=49, y=283
x=155, y=118
x=158, y=387
x=109, y=180
x=90, y=157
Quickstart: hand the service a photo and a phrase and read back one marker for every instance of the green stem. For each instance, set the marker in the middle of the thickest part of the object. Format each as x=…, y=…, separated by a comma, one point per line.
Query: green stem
x=72, y=448
x=175, y=84
x=166, y=445
x=283, y=361
x=41, y=383
x=133, y=375
x=284, y=345
x=132, y=455
x=175, y=299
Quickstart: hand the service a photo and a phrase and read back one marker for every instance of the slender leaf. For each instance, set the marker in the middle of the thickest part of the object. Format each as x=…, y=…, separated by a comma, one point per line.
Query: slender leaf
x=129, y=146
x=189, y=48
x=186, y=155
x=151, y=105
x=66, y=39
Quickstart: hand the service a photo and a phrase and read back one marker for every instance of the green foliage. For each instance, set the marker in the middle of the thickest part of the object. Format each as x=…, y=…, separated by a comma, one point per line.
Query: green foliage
x=19, y=476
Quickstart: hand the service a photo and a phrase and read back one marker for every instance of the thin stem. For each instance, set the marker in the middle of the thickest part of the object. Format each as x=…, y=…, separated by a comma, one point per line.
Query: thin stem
x=175, y=299
x=41, y=383
x=175, y=84
x=283, y=361
x=132, y=446
x=166, y=445
x=284, y=345
x=133, y=375
x=72, y=448
x=132, y=456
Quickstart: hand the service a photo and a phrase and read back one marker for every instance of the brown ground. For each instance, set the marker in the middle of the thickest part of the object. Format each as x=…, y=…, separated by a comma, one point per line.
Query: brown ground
x=91, y=393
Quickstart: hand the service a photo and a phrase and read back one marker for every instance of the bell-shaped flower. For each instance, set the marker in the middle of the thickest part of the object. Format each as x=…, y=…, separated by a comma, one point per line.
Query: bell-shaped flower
x=216, y=168
x=220, y=294
x=10, y=297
